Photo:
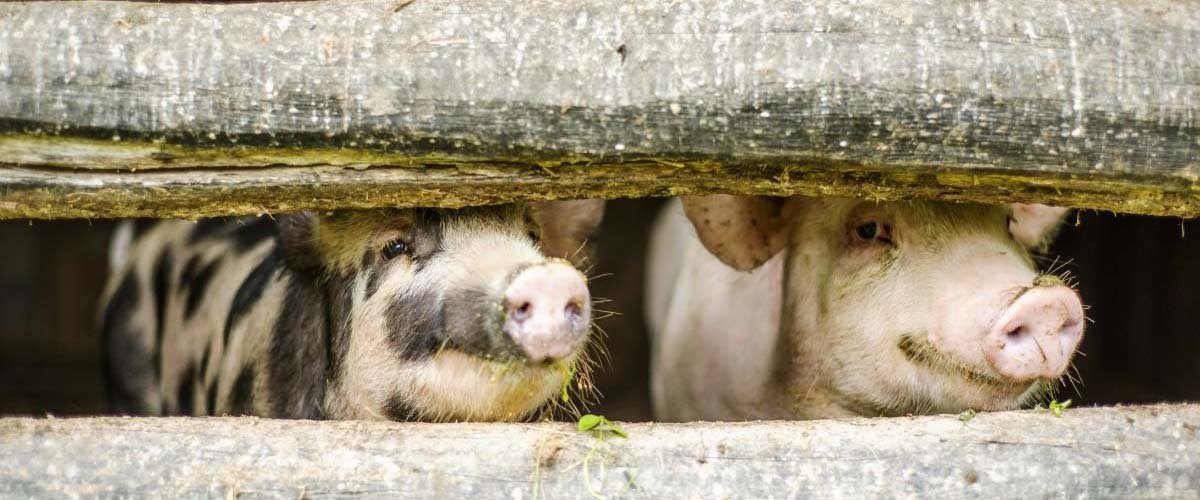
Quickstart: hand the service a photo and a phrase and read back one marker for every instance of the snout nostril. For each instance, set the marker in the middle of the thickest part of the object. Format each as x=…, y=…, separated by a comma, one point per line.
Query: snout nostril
x=573, y=310
x=1015, y=332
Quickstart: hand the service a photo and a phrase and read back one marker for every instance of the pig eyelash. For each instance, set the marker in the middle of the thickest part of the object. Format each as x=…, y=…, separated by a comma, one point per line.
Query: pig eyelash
x=873, y=231
x=395, y=248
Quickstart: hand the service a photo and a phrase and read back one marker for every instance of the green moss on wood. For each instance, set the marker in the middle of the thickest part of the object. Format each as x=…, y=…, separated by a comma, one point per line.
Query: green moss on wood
x=58, y=177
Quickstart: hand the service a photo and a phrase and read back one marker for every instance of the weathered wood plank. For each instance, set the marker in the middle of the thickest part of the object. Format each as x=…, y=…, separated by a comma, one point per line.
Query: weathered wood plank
x=1143, y=452
x=237, y=108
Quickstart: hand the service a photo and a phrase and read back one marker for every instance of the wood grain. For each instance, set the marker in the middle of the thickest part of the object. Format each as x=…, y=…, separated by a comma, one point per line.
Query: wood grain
x=241, y=108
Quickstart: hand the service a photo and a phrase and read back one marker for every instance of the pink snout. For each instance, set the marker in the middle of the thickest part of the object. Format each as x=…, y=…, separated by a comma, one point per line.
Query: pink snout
x=548, y=311
x=1037, y=335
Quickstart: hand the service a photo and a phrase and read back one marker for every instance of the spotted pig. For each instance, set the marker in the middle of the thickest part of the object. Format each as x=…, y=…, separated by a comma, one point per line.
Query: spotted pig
x=402, y=314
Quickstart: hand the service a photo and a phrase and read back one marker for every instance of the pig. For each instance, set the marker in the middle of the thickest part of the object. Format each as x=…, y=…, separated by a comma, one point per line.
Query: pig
x=803, y=308
x=476, y=314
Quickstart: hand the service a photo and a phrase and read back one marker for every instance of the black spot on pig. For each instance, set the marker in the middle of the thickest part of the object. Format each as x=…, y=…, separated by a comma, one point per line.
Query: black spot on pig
x=186, y=393
x=162, y=285
x=372, y=274
x=399, y=410
x=415, y=325
x=339, y=305
x=211, y=398
x=241, y=396
x=208, y=228
x=250, y=291
x=189, y=270
x=427, y=233
x=126, y=361
x=203, y=368
x=141, y=226
x=297, y=367
x=296, y=235
x=248, y=234
x=474, y=326
x=195, y=280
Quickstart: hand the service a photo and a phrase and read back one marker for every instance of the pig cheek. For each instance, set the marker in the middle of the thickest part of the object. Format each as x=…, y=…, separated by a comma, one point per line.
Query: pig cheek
x=879, y=305
x=866, y=319
x=372, y=373
x=368, y=375
x=450, y=385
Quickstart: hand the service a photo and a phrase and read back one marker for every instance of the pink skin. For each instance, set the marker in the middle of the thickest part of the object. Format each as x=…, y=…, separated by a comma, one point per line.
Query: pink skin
x=1036, y=336
x=547, y=307
x=885, y=308
x=996, y=317
x=958, y=315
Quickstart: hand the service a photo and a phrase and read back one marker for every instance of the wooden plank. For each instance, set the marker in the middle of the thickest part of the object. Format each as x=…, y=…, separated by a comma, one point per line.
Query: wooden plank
x=1143, y=452
x=115, y=109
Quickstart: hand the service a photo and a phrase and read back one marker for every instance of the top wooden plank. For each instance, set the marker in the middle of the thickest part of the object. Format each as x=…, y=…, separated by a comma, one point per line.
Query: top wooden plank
x=117, y=109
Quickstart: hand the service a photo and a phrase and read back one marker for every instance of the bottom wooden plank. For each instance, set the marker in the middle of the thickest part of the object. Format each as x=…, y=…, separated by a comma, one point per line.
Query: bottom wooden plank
x=1121, y=452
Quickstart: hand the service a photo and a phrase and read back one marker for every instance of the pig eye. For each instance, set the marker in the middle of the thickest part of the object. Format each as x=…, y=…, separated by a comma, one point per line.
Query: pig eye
x=533, y=236
x=872, y=230
x=393, y=249
x=867, y=231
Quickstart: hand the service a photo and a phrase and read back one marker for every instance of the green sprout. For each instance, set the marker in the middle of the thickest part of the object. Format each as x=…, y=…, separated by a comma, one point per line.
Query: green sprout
x=599, y=425
x=1058, y=408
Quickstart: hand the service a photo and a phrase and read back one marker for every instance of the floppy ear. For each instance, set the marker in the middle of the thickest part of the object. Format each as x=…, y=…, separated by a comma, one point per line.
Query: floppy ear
x=742, y=231
x=565, y=227
x=298, y=240
x=1035, y=226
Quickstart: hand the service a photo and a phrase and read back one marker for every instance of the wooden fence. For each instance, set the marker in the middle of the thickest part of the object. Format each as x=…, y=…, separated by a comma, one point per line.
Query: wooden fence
x=123, y=109
x=116, y=109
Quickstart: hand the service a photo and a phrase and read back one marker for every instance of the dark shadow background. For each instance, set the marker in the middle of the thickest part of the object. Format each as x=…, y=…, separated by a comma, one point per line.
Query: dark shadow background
x=1138, y=275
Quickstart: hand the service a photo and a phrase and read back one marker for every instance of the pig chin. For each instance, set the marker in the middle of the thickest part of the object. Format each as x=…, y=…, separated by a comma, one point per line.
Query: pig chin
x=453, y=385
x=961, y=384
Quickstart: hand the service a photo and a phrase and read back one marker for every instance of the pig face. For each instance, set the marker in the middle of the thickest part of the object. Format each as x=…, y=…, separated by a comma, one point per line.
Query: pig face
x=448, y=314
x=905, y=307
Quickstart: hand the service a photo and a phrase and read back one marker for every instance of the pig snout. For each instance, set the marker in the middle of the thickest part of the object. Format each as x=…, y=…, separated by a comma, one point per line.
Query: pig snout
x=1036, y=336
x=547, y=311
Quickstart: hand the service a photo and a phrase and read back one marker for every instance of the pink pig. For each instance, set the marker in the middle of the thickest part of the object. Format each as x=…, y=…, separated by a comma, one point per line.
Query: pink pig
x=818, y=307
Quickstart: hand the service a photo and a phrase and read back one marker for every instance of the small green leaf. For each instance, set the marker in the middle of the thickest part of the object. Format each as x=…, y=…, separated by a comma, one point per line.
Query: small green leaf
x=589, y=422
x=967, y=415
x=1057, y=408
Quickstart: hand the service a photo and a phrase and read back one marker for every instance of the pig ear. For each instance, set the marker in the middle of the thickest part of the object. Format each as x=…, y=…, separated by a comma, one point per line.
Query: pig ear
x=298, y=240
x=566, y=227
x=1035, y=226
x=742, y=231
